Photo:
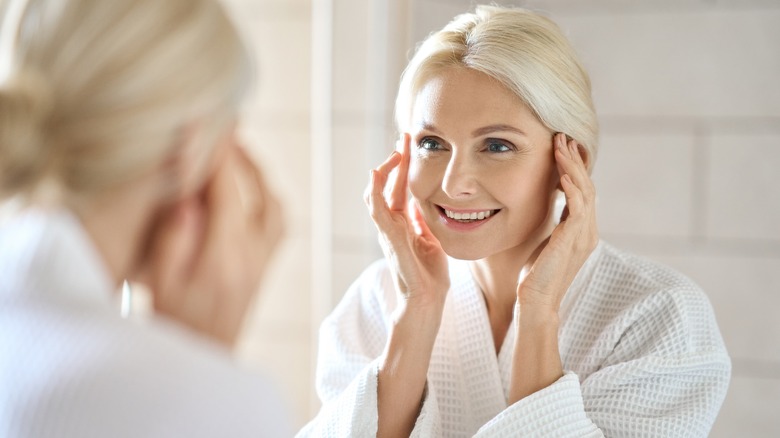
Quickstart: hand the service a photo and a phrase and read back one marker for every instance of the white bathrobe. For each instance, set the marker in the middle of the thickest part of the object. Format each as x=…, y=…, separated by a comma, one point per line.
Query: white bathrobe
x=71, y=367
x=641, y=351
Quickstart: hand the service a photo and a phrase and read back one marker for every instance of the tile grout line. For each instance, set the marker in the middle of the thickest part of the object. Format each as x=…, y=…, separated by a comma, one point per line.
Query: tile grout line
x=699, y=184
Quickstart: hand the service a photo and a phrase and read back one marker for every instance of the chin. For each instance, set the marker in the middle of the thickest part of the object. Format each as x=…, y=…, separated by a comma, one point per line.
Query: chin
x=460, y=251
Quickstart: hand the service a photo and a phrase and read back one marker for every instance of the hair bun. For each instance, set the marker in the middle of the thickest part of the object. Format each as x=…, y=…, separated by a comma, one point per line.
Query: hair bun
x=25, y=107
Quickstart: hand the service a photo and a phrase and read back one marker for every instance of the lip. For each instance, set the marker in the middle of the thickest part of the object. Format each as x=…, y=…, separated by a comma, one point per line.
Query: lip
x=463, y=226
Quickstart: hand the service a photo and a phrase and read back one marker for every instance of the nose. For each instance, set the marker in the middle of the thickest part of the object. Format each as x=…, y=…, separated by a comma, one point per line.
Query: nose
x=460, y=178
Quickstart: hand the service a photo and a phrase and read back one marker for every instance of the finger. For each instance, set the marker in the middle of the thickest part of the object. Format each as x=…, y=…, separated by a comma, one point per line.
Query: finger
x=420, y=226
x=569, y=162
x=262, y=210
x=392, y=161
x=176, y=245
x=223, y=211
x=251, y=183
x=559, y=152
x=262, y=205
x=586, y=183
x=578, y=171
x=574, y=198
x=399, y=193
x=377, y=206
x=374, y=195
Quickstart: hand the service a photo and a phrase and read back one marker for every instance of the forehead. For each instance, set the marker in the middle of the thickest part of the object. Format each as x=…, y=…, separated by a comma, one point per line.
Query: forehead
x=464, y=98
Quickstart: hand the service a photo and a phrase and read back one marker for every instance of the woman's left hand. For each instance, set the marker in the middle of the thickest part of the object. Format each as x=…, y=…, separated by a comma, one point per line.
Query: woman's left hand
x=571, y=242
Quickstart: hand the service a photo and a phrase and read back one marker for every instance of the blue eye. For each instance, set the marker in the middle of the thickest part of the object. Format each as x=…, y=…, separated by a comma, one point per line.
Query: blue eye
x=494, y=146
x=430, y=144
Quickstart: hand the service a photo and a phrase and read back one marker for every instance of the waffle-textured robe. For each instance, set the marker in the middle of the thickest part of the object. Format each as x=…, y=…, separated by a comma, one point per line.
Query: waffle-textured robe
x=71, y=367
x=641, y=351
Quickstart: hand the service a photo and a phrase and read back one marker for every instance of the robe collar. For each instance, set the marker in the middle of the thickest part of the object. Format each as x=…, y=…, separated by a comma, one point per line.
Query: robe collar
x=48, y=254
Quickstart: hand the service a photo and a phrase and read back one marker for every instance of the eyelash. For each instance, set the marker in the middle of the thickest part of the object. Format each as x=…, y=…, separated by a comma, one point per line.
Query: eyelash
x=437, y=145
x=490, y=142
x=425, y=140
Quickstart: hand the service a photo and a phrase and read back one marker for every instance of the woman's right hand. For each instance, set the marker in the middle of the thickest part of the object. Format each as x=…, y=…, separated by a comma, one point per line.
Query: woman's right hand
x=416, y=258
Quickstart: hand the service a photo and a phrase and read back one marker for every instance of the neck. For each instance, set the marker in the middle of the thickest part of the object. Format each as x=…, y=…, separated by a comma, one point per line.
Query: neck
x=118, y=225
x=498, y=274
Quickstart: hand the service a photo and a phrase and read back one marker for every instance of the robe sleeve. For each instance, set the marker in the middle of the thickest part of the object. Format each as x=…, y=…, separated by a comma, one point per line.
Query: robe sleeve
x=667, y=376
x=352, y=339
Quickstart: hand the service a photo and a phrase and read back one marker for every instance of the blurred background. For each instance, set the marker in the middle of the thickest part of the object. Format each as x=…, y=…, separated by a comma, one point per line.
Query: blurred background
x=689, y=103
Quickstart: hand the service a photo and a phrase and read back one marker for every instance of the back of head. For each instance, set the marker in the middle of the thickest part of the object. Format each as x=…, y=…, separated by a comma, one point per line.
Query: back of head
x=97, y=92
x=524, y=51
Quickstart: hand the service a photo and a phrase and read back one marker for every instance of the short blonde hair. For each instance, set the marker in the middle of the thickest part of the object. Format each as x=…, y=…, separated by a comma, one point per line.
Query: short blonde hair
x=524, y=51
x=98, y=92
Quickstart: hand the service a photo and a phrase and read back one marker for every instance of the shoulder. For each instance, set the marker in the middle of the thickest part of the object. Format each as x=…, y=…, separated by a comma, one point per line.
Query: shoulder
x=636, y=275
x=656, y=308
x=625, y=280
x=147, y=378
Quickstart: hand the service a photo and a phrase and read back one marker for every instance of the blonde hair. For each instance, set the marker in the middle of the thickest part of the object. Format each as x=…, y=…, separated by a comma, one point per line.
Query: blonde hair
x=98, y=92
x=524, y=51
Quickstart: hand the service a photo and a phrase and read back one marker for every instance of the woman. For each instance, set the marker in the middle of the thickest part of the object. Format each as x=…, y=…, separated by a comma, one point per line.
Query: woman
x=532, y=326
x=117, y=134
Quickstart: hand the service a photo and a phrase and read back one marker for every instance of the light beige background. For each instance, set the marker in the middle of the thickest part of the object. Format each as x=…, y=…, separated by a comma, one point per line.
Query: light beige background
x=688, y=97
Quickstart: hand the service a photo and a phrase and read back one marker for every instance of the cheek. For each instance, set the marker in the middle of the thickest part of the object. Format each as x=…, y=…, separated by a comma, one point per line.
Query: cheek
x=529, y=191
x=421, y=178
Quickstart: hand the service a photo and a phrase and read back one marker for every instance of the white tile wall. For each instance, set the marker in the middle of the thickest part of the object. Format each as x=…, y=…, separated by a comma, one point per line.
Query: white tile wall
x=702, y=63
x=351, y=165
x=351, y=21
x=744, y=294
x=743, y=196
x=750, y=409
x=644, y=184
x=281, y=44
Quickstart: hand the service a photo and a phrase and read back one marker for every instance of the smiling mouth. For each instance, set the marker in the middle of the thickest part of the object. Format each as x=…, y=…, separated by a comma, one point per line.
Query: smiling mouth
x=468, y=217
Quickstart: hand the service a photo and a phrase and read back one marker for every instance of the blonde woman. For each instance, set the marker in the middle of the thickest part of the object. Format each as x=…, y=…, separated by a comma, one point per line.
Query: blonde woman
x=117, y=136
x=494, y=313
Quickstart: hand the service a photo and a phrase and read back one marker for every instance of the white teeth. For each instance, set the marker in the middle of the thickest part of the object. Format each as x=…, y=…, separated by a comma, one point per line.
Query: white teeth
x=468, y=216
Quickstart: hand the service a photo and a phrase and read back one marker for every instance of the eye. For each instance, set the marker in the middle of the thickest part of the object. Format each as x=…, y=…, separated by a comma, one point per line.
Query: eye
x=430, y=144
x=498, y=146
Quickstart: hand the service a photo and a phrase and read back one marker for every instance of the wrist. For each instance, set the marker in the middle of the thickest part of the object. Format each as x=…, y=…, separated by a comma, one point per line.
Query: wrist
x=536, y=315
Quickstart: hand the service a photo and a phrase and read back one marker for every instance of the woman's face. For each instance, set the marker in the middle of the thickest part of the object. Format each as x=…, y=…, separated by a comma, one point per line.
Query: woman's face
x=482, y=166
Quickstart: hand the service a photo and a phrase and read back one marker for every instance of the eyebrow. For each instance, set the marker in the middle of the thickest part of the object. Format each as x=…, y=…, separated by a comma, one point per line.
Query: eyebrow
x=479, y=131
x=496, y=128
